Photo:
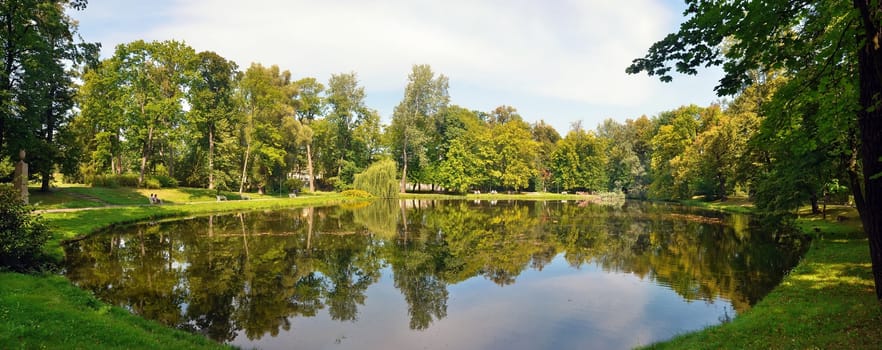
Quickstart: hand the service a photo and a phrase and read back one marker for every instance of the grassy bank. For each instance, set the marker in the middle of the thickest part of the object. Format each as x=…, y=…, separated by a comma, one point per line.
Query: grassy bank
x=47, y=311
x=826, y=302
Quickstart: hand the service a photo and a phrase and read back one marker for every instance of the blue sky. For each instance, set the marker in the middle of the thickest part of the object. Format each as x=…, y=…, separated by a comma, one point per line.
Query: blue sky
x=559, y=61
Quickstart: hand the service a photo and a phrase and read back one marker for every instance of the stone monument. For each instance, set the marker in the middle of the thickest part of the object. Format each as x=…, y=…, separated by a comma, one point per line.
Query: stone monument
x=20, y=179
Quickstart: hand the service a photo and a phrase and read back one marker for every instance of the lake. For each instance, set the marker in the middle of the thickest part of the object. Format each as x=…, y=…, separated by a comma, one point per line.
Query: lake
x=439, y=274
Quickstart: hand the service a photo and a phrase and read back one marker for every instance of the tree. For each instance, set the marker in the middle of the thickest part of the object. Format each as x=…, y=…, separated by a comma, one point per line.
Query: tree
x=310, y=105
x=814, y=41
x=461, y=150
x=579, y=162
x=623, y=168
x=270, y=123
x=343, y=155
x=212, y=98
x=37, y=46
x=379, y=179
x=413, y=120
x=676, y=132
x=510, y=149
x=547, y=137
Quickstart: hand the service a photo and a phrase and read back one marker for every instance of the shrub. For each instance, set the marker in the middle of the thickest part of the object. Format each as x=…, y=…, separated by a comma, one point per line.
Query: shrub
x=166, y=181
x=292, y=185
x=379, y=179
x=356, y=194
x=113, y=181
x=152, y=183
x=22, y=234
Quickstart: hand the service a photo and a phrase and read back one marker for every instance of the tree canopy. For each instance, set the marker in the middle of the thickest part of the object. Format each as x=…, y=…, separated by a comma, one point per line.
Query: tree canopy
x=830, y=52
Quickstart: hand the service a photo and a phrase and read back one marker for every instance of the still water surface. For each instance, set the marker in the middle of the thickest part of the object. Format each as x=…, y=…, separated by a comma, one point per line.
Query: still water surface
x=439, y=274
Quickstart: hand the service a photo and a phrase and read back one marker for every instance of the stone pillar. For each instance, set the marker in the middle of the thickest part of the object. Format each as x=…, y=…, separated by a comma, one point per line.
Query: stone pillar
x=20, y=179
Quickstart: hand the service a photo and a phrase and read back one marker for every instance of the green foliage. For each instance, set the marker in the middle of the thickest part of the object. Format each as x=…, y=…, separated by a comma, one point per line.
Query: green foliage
x=509, y=149
x=357, y=194
x=413, y=122
x=113, y=181
x=152, y=183
x=22, y=234
x=293, y=185
x=165, y=181
x=379, y=179
x=580, y=161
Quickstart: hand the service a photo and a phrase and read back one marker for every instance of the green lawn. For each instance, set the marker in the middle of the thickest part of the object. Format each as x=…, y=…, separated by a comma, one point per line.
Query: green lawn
x=81, y=196
x=48, y=312
x=826, y=302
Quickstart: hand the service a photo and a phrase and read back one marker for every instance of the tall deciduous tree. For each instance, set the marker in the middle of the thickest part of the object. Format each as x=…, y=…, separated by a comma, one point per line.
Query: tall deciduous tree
x=547, y=137
x=813, y=41
x=37, y=45
x=413, y=120
x=512, y=151
x=212, y=98
x=344, y=153
x=270, y=123
x=310, y=104
x=579, y=162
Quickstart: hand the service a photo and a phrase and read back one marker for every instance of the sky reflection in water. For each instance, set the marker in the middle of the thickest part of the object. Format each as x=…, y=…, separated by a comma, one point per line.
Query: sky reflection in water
x=455, y=274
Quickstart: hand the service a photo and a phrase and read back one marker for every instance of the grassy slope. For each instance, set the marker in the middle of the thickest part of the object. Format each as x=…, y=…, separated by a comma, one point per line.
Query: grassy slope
x=826, y=302
x=47, y=311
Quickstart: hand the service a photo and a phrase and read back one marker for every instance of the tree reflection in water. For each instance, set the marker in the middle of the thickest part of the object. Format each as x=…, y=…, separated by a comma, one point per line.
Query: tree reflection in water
x=253, y=272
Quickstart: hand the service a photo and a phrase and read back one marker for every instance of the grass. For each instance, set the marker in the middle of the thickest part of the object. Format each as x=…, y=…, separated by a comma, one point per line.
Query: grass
x=47, y=311
x=826, y=302
x=81, y=196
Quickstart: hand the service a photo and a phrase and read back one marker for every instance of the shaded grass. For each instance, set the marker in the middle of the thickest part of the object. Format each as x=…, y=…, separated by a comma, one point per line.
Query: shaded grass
x=825, y=302
x=47, y=311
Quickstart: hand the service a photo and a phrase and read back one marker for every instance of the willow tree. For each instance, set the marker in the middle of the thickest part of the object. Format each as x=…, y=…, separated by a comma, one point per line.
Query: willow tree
x=815, y=42
x=379, y=179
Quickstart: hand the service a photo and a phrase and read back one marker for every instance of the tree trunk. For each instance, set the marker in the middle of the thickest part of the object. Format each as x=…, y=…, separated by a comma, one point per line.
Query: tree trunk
x=404, y=171
x=309, y=168
x=47, y=137
x=144, y=152
x=210, y=157
x=869, y=199
x=244, y=168
x=814, y=200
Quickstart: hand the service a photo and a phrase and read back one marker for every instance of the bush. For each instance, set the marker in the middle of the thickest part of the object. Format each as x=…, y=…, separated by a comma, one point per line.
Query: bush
x=166, y=181
x=152, y=183
x=293, y=185
x=379, y=179
x=356, y=194
x=113, y=181
x=22, y=234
